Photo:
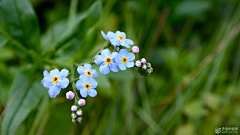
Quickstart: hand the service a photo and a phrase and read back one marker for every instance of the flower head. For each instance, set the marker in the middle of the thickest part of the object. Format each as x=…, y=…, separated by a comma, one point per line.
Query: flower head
x=81, y=102
x=138, y=63
x=74, y=108
x=110, y=35
x=135, y=49
x=87, y=86
x=79, y=112
x=144, y=67
x=143, y=60
x=87, y=70
x=107, y=61
x=55, y=81
x=120, y=39
x=125, y=59
x=70, y=95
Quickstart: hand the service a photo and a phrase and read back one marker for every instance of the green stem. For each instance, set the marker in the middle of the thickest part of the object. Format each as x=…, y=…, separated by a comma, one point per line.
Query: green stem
x=107, y=44
x=74, y=85
x=74, y=80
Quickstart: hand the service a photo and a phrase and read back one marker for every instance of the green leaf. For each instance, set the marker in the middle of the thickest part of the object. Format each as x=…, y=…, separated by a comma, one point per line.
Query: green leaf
x=193, y=8
x=3, y=41
x=23, y=100
x=59, y=34
x=16, y=94
x=21, y=23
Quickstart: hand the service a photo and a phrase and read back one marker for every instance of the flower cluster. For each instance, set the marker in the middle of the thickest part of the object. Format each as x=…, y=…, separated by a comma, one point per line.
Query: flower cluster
x=144, y=67
x=119, y=59
x=77, y=112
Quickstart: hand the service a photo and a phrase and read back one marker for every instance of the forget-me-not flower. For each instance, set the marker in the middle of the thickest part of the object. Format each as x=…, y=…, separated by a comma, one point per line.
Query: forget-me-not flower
x=87, y=86
x=125, y=59
x=55, y=81
x=87, y=70
x=109, y=35
x=107, y=61
x=120, y=39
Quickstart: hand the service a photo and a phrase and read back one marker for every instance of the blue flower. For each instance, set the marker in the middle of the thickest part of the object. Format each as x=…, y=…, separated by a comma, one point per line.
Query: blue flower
x=107, y=61
x=87, y=86
x=120, y=39
x=87, y=70
x=55, y=81
x=109, y=35
x=125, y=59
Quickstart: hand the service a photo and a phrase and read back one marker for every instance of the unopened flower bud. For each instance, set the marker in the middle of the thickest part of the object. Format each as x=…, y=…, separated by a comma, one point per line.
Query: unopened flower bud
x=144, y=67
x=149, y=71
x=74, y=108
x=143, y=60
x=81, y=102
x=79, y=112
x=70, y=95
x=138, y=63
x=135, y=49
x=148, y=64
x=74, y=115
x=79, y=119
x=74, y=121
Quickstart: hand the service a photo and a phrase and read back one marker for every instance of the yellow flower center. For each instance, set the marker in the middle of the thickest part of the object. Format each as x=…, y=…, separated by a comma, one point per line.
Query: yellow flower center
x=124, y=60
x=120, y=37
x=55, y=79
x=108, y=60
x=89, y=73
x=87, y=86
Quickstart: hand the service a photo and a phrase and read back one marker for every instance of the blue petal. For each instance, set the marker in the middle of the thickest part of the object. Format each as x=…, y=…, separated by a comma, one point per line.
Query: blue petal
x=115, y=41
x=118, y=58
x=105, y=53
x=130, y=64
x=81, y=70
x=104, y=35
x=130, y=56
x=94, y=73
x=114, y=67
x=123, y=52
x=86, y=79
x=122, y=66
x=54, y=72
x=83, y=93
x=93, y=83
x=87, y=66
x=114, y=54
x=99, y=59
x=129, y=41
x=104, y=69
x=92, y=93
x=80, y=84
x=111, y=35
x=46, y=82
x=119, y=33
x=123, y=43
x=53, y=90
x=45, y=73
x=63, y=83
x=63, y=73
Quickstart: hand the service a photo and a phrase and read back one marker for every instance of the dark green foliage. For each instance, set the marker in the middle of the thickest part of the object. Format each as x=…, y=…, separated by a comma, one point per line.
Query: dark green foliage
x=193, y=48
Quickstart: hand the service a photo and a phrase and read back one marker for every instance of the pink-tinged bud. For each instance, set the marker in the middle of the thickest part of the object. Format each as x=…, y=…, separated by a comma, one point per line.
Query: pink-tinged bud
x=144, y=67
x=70, y=95
x=143, y=60
x=79, y=112
x=74, y=115
x=74, y=108
x=81, y=102
x=138, y=63
x=135, y=49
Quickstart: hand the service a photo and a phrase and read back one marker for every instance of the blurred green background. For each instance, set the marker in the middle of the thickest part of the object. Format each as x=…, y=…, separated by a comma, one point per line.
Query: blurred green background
x=193, y=47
